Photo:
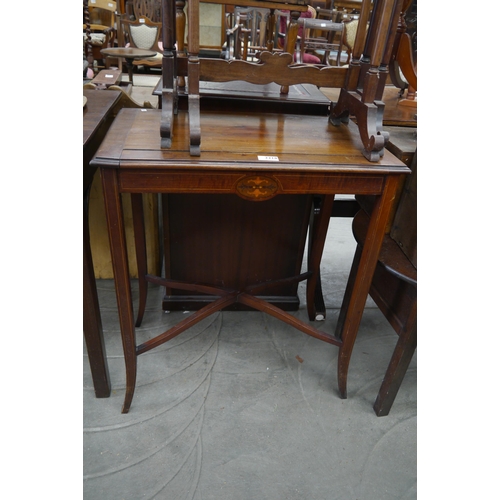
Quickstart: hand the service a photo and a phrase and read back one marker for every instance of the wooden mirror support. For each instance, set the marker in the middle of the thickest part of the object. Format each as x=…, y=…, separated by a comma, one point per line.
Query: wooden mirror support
x=169, y=72
x=362, y=92
x=361, y=83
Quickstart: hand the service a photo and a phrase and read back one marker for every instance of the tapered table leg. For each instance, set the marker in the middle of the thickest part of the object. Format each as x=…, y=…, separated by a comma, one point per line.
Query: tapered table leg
x=360, y=281
x=116, y=232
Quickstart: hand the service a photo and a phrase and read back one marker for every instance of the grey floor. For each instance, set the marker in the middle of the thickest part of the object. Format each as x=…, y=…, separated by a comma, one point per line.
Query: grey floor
x=244, y=407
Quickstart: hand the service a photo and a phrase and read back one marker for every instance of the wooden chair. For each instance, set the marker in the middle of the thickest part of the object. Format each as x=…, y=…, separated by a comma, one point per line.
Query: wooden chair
x=403, y=65
x=255, y=31
x=146, y=8
x=99, y=30
x=393, y=287
x=300, y=55
x=349, y=37
x=319, y=44
x=236, y=35
x=142, y=33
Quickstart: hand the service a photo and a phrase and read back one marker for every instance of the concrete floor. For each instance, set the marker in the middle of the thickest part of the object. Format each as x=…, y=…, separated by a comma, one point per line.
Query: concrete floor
x=244, y=407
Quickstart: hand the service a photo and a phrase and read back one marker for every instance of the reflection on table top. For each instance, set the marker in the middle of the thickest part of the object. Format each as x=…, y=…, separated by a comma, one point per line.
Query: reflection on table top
x=247, y=140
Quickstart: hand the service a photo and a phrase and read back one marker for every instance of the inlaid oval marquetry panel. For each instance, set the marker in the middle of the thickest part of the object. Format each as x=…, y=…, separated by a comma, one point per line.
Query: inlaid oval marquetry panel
x=257, y=187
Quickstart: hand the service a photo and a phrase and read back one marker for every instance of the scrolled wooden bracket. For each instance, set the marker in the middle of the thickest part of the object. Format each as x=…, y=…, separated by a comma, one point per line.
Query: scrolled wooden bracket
x=169, y=106
x=368, y=118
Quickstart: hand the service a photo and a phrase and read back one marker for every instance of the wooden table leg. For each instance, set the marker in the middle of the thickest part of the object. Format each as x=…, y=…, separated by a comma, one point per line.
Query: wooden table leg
x=318, y=230
x=130, y=66
x=116, y=232
x=140, y=252
x=92, y=326
x=359, y=282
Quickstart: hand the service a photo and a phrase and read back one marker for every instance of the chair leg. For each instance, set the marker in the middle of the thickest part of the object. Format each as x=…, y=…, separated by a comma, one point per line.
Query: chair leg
x=401, y=357
x=342, y=369
x=140, y=253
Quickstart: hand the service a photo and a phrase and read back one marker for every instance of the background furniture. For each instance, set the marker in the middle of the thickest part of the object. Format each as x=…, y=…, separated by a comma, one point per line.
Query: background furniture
x=362, y=82
x=301, y=99
x=129, y=54
x=99, y=31
x=144, y=34
x=98, y=114
x=99, y=111
x=403, y=66
x=311, y=42
x=107, y=78
x=393, y=286
x=253, y=31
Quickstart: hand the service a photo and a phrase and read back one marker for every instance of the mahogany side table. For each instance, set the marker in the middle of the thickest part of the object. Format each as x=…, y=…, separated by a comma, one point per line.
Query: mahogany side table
x=256, y=157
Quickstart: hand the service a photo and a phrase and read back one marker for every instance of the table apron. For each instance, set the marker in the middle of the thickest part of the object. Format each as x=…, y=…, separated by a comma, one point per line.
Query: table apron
x=141, y=181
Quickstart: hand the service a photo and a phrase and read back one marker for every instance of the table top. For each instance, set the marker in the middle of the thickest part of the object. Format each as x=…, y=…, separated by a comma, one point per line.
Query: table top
x=235, y=141
x=128, y=52
x=396, y=114
x=99, y=103
x=107, y=77
x=402, y=142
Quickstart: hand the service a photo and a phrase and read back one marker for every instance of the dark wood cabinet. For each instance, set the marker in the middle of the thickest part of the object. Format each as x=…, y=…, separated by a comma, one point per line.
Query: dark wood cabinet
x=235, y=251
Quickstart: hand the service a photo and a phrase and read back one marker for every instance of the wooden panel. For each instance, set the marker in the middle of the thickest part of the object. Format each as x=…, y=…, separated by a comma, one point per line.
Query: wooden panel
x=141, y=180
x=223, y=240
x=99, y=242
x=404, y=229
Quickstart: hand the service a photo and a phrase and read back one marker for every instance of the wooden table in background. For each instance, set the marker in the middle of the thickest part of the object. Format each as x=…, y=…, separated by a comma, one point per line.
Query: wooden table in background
x=301, y=99
x=255, y=157
x=129, y=54
x=98, y=113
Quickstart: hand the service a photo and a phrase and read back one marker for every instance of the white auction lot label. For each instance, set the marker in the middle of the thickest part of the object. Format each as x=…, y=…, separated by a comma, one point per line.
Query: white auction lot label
x=268, y=158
